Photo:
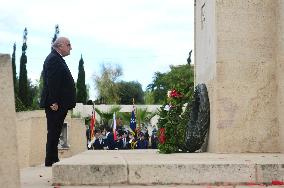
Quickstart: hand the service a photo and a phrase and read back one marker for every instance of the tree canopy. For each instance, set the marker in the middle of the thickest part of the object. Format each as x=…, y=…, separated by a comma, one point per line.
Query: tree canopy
x=127, y=91
x=106, y=83
x=179, y=77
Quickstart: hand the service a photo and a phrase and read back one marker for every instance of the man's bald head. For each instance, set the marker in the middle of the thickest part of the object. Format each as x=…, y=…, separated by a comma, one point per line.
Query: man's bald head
x=59, y=42
x=62, y=45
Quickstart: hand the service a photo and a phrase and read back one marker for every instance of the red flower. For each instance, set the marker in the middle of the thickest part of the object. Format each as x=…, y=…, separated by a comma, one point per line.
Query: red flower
x=162, y=136
x=174, y=94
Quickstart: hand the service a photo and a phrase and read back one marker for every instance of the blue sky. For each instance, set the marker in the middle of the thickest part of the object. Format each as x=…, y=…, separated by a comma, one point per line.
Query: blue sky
x=143, y=37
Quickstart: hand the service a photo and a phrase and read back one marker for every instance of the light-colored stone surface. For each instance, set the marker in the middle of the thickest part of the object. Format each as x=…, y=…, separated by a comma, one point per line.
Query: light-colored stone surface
x=76, y=137
x=205, y=41
x=37, y=140
x=147, y=167
x=31, y=136
x=36, y=177
x=91, y=168
x=9, y=167
x=280, y=69
x=236, y=57
x=268, y=172
x=24, y=140
x=40, y=176
x=186, y=172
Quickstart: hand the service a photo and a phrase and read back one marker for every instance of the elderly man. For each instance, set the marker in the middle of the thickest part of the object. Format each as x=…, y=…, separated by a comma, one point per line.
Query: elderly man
x=58, y=95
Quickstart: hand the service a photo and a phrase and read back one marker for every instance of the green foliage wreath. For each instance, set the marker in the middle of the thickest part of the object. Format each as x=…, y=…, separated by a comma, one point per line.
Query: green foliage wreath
x=184, y=131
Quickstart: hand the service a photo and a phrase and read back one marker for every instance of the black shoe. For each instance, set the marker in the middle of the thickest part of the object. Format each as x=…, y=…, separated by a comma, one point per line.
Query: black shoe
x=49, y=164
x=56, y=161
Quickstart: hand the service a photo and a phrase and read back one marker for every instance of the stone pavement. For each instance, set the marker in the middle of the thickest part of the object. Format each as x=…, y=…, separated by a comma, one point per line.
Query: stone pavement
x=141, y=166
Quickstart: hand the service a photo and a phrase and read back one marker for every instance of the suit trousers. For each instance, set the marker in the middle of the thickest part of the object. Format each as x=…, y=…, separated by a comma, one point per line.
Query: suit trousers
x=55, y=120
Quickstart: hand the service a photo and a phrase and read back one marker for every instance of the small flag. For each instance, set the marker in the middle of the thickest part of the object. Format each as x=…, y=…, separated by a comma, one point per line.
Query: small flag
x=133, y=121
x=92, y=128
x=114, y=127
x=92, y=125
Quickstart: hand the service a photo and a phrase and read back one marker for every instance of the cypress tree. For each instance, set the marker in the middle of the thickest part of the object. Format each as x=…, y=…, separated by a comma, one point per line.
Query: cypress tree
x=23, y=80
x=14, y=69
x=55, y=34
x=81, y=86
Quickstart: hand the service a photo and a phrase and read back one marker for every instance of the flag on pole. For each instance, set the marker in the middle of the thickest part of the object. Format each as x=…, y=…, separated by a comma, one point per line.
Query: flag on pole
x=133, y=120
x=92, y=128
x=92, y=124
x=114, y=127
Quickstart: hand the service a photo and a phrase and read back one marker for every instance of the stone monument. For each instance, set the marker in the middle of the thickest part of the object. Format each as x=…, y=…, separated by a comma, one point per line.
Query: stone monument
x=9, y=167
x=239, y=55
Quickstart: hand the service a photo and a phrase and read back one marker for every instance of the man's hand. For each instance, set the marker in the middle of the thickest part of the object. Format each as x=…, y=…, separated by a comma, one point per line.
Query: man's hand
x=54, y=107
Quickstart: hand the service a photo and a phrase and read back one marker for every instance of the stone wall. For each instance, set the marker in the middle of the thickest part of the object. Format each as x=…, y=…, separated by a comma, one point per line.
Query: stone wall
x=76, y=137
x=31, y=136
x=31, y=133
x=9, y=167
x=241, y=74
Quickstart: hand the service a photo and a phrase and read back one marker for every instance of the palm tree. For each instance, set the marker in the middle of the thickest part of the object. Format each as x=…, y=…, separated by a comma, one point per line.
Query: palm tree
x=106, y=118
x=125, y=117
x=142, y=117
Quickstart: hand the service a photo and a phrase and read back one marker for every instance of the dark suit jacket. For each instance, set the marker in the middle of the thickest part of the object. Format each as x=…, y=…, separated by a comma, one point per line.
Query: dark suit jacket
x=142, y=144
x=118, y=144
x=58, y=83
x=99, y=145
x=109, y=141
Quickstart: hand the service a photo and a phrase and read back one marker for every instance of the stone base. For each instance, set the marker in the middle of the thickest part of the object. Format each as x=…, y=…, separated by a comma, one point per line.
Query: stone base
x=148, y=167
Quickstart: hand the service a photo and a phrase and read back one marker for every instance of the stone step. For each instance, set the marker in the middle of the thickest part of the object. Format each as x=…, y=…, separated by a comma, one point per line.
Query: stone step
x=148, y=167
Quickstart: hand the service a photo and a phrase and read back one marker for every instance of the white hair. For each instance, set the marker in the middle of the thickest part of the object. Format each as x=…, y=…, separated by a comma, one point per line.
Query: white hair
x=59, y=41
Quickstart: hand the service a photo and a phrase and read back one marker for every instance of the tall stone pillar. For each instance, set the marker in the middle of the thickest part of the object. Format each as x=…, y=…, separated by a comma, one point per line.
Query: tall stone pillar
x=9, y=168
x=280, y=69
x=236, y=58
